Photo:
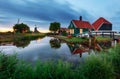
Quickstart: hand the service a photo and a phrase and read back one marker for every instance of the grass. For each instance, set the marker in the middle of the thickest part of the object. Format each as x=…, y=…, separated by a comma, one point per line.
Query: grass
x=103, y=39
x=104, y=66
x=82, y=40
x=97, y=68
x=115, y=59
x=5, y=37
x=73, y=39
x=11, y=68
x=30, y=36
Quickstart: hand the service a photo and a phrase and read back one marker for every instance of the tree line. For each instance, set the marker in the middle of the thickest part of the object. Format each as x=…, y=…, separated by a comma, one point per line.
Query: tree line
x=24, y=28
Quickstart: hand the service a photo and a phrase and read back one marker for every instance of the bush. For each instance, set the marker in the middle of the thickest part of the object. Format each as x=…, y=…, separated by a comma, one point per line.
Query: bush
x=96, y=68
x=64, y=33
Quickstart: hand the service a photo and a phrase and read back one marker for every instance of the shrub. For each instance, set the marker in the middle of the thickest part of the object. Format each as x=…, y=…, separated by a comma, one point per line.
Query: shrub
x=64, y=33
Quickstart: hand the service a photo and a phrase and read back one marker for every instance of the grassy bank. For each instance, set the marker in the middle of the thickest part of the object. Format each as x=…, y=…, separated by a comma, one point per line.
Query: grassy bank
x=103, y=39
x=73, y=39
x=8, y=37
x=104, y=66
x=81, y=40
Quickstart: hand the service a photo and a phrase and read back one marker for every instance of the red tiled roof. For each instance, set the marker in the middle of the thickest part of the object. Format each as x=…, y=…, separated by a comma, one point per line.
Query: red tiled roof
x=82, y=24
x=99, y=22
x=78, y=51
x=64, y=29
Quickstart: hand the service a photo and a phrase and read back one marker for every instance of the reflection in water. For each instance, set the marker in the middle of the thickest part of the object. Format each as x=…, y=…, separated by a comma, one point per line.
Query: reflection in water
x=55, y=43
x=21, y=43
x=86, y=48
x=106, y=44
x=50, y=48
x=78, y=49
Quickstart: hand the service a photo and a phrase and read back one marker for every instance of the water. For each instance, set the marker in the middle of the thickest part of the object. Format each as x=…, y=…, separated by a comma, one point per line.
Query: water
x=49, y=49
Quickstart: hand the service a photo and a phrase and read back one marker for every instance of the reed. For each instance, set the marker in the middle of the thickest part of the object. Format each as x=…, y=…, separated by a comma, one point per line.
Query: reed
x=104, y=66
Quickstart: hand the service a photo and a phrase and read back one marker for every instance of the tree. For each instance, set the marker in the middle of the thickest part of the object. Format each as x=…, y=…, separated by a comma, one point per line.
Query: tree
x=21, y=28
x=55, y=26
x=55, y=43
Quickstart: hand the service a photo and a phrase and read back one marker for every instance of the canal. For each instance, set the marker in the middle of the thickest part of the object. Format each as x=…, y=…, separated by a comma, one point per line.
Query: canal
x=52, y=49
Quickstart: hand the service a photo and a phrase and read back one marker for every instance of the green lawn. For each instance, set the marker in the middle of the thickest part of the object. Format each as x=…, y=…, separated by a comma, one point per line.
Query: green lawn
x=82, y=40
x=73, y=39
x=102, y=39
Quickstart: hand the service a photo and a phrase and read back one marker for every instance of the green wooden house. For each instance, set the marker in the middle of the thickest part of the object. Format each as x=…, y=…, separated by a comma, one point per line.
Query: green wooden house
x=79, y=27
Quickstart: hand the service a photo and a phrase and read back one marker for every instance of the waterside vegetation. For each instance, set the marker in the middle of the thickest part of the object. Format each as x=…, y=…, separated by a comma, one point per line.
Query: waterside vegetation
x=8, y=37
x=104, y=66
x=82, y=39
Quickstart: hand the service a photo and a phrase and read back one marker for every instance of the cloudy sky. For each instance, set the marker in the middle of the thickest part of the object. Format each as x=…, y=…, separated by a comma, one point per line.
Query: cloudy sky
x=43, y=12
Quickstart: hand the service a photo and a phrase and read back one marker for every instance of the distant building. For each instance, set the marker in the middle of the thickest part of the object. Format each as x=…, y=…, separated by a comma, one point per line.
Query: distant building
x=35, y=30
x=102, y=24
x=64, y=29
x=79, y=26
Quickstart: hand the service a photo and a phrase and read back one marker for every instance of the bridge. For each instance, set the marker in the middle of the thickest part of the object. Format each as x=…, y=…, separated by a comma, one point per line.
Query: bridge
x=104, y=33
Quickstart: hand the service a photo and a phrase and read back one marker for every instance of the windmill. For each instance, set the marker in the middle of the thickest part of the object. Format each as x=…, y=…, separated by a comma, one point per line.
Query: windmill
x=18, y=21
x=35, y=29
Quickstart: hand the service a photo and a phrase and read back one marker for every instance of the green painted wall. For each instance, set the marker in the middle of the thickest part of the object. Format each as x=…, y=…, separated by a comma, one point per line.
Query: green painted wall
x=71, y=26
x=76, y=31
x=85, y=30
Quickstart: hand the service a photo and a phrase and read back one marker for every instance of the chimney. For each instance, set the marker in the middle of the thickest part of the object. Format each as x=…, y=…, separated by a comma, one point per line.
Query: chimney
x=80, y=18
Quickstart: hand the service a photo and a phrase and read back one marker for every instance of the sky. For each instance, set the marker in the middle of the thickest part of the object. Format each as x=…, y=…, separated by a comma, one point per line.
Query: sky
x=42, y=12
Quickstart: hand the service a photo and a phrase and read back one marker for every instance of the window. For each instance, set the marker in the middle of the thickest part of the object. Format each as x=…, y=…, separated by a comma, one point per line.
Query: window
x=71, y=31
x=81, y=31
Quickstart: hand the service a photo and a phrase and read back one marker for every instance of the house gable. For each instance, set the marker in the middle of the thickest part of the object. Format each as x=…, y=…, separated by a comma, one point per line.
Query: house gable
x=71, y=26
x=102, y=24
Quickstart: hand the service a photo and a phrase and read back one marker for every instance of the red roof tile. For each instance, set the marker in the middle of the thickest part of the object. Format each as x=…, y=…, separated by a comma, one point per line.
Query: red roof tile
x=99, y=22
x=78, y=51
x=63, y=28
x=82, y=24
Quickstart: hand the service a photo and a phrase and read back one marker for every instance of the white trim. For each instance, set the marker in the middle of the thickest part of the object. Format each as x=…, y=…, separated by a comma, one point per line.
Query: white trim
x=74, y=24
x=100, y=26
x=93, y=27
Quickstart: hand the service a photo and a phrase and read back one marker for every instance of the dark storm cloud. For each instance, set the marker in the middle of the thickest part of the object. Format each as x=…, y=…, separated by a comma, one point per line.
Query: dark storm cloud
x=39, y=10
